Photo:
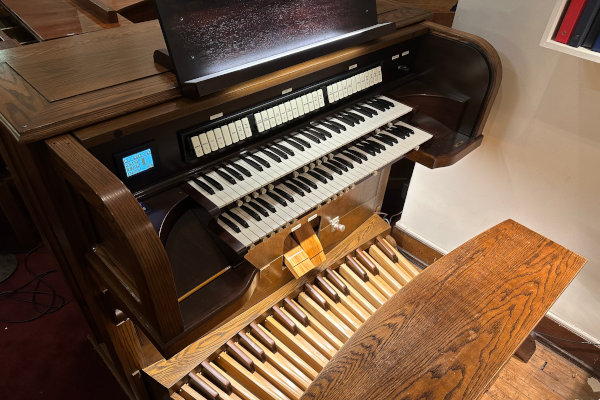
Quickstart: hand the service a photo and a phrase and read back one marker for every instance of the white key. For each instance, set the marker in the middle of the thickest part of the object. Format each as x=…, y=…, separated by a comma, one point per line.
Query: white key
x=252, y=231
x=299, y=200
x=271, y=222
x=240, y=237
x=258, y=176
x=229, y=189
x=284, y=212
x=220, y=198
x=260, y=225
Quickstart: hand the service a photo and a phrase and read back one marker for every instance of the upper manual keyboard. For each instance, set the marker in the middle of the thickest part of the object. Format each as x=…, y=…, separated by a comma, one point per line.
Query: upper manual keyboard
x=275, y=160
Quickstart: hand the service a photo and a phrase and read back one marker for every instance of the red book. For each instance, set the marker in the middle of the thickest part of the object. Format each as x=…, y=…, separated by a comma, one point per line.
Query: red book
x=568, y=23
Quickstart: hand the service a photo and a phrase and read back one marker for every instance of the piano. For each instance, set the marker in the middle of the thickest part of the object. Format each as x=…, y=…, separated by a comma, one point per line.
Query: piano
x=227, y=247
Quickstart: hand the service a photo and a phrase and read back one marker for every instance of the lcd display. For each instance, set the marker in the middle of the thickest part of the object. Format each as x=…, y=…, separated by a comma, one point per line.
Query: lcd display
x=206, y=37
x=138, y=162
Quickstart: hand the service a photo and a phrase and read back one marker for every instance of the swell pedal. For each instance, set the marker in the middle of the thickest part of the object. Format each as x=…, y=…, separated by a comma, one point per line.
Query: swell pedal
x=303, y=251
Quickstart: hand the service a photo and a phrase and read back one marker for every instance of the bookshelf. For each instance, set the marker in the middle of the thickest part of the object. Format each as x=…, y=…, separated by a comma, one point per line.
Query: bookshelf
x=548, y=43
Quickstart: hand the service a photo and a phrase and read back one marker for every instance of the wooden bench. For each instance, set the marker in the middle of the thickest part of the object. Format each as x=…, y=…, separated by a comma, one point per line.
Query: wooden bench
x=448, y=333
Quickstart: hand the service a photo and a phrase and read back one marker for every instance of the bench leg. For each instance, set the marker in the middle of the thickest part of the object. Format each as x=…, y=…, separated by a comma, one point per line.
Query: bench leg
x=527, y=348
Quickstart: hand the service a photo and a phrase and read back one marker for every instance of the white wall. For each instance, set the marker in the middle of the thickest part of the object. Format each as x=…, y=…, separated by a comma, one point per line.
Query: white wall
x=540, y=159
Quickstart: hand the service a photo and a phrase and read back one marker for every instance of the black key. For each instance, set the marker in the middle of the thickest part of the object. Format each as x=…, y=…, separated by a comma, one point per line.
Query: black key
x=301, y=185
x=384, y=101
x=223, y=175
x=258, y=208
x=307, y=182
x=317, y=176
x=321, y=131
x=251, y=212
x=266, y=205
x=216, y=184
x=316, y=133
x=357, y=117
x=368, y=109
x=363, y=112
x=324, y=173
x=294, y=188
x=237, y=219
x=295, y=144
x=281, y=147
x=204, y=186
x=352, y=157
x=357, y=154
x=404, y=129
x=253, y=163
x=333, y=168
x=261, y=160
x=337, y=124
x=272, y=156
x=310, y=137
x=374, y=143
x=230, y=224
x=330, y=126
x=302, y=142
x=388, y=137
x=383, y=104
x=375, y=105
x=396, y=132
x=366, y=149
x=368, y=145
x=284, y=195
x=351, y=118
x=233, y=172
x=385, y=140
x=343, y=161
x=345, y=120
x=277, y=198
x=280, y=153
x=338, y=164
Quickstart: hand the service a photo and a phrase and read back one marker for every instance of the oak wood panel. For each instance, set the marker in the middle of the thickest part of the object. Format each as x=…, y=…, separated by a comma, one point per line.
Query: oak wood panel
x=58, y=72
x=168, y=372
x=51, y=19
x=33, y=117
x=475, y=306
x=99, y=9
x=111, y=199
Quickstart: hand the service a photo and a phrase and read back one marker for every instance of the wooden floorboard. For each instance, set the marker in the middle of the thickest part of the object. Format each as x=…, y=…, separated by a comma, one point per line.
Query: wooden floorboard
x=546, y=376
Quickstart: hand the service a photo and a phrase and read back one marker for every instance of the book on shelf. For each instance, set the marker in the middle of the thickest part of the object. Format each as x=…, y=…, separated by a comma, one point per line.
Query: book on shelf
x=591, y=36
x=584, y=23
x=567, y=25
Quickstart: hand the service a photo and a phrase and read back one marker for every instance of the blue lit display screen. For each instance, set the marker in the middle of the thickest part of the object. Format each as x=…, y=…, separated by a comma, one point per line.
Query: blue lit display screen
x=138, y=162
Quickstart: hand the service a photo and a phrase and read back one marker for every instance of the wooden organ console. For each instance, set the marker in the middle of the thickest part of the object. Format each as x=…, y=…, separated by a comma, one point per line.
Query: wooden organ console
x=247, y=259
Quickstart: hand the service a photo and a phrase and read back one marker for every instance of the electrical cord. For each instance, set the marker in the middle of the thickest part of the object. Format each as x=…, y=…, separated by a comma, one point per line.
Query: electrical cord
x=41, y=290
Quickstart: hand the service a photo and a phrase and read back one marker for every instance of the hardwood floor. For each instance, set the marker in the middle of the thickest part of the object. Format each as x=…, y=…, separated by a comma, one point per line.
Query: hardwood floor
x=547, y=376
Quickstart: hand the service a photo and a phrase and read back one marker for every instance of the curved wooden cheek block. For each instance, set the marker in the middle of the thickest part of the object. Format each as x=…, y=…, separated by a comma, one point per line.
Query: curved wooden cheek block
x=303, y=251
x=448, y=333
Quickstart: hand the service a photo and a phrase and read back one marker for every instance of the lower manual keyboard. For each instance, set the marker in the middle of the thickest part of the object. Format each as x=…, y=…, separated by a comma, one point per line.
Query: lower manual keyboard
x=278, y=356
x=280, y=204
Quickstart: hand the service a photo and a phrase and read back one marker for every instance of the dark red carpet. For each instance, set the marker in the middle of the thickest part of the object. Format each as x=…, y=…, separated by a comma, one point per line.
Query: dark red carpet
x=51, y=357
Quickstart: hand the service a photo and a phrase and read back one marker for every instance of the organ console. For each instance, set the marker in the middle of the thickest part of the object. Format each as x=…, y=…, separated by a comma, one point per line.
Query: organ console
x=228, y=247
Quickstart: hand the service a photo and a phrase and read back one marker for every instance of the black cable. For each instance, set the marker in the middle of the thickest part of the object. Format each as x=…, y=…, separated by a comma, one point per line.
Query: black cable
x=565, y=340
x=56, y=301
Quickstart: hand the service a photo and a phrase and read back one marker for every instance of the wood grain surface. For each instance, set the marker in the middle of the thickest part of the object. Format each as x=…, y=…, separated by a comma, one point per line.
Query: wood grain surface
x=167, y=373
x=475, y=306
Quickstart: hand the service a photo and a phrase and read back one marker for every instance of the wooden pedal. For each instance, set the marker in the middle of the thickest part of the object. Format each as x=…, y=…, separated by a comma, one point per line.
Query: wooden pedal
x=307, y=237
